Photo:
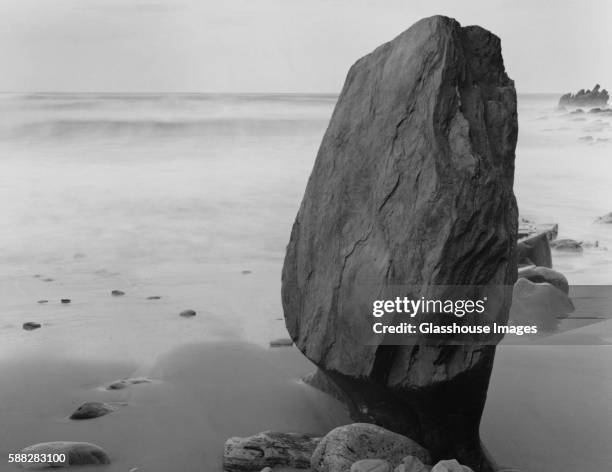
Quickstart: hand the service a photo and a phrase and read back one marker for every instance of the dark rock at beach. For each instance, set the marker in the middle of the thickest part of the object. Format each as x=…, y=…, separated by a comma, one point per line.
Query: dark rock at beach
x=567, y=245
x=281, y=342
x=42, y=301
x=544, y=275
x=411, y=192
x=347, y=444
x=118, y=385
x=117, y=293
x=586, y=98
x=187, y=313
x=154, y=297
x=124, y=383
x=605, y=219
x=76, y=453
x=91, y=410
x=31, y=325
x=534, y=250
x=65, y=300
x=269, y=449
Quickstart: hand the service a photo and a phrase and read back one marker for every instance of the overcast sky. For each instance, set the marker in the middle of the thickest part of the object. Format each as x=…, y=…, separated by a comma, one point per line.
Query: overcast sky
x=277, y=45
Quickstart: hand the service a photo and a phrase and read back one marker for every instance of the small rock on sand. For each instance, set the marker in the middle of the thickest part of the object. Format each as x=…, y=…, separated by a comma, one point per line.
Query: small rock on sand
x=187, y=313
x=91, y=410
x=117, y=293
x=77, y=453
x=281, y=342
x=30, y=325
x=412, y=464
x=371, y=465
x=65, y=301
x=450, y=466
x=124, y=383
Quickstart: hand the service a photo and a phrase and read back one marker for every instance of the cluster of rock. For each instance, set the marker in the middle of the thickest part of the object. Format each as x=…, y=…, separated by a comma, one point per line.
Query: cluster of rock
x=357, y=447
x=586, y=98
x=75, y=453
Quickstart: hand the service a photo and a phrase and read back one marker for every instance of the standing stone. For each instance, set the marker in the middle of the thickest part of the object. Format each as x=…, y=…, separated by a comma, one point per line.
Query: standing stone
x=412, y=188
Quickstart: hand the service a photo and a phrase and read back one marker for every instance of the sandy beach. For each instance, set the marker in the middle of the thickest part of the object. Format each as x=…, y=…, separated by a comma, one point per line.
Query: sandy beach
x=100, y=198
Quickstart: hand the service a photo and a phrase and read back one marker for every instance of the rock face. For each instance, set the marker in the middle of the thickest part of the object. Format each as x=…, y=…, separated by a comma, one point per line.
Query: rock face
x=345, y=445
x=412, y=187
x=586, y=98
x=269, y=449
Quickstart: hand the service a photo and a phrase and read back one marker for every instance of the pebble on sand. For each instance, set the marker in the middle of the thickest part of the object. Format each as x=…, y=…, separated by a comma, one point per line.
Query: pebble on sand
x=187, y=313
x=65, y=300
x=124, y=383
x=117, y=293
x=30, y=325
x=281, y=342
x=90, y=410
x=76, y=453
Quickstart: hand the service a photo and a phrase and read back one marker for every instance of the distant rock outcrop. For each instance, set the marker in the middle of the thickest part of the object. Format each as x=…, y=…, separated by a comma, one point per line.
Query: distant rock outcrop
x=411, y=188
x=586, y=98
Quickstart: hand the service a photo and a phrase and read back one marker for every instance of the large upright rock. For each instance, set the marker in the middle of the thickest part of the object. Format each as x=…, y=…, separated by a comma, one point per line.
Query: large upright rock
x=412, y=187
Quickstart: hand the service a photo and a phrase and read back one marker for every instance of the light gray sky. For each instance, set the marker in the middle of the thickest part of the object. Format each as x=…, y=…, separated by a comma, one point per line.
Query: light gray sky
x=277, y=45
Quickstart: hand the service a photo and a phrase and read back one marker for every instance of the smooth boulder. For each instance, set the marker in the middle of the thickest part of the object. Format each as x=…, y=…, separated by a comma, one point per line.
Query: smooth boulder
x=91, y=410
x=76, y=454
x=544, y=275
x=411, y=192
x=347, y=444
x=539, y=304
